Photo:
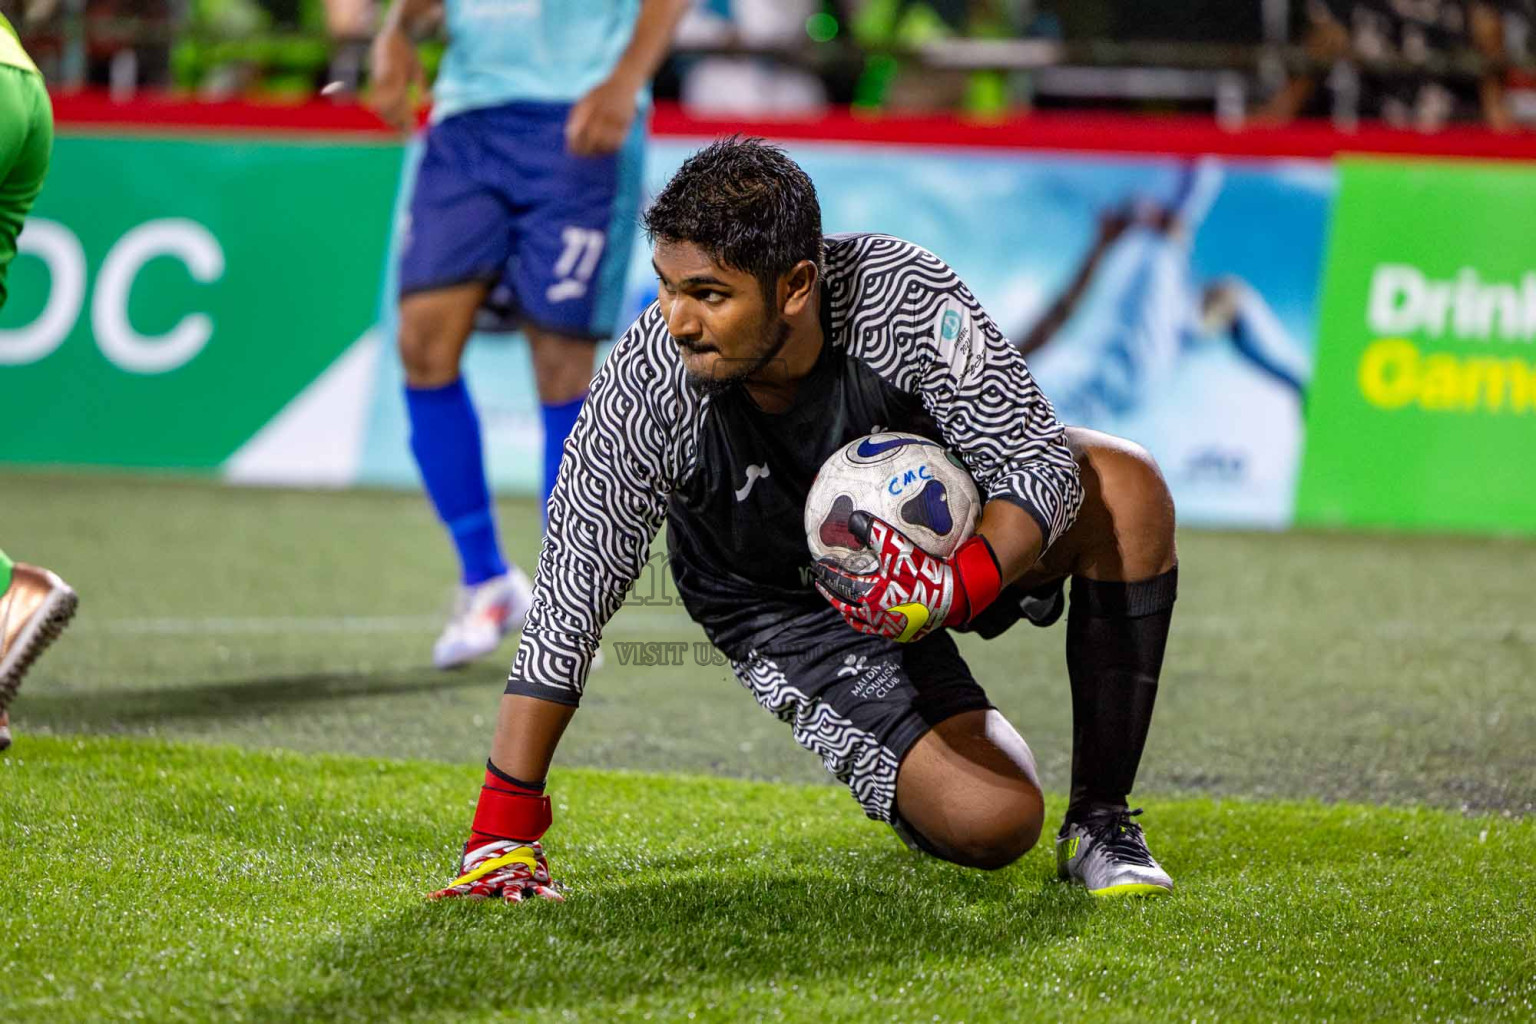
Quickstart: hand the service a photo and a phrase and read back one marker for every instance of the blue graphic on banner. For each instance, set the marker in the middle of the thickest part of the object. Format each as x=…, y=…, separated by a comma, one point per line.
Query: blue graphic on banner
x=1165, y=300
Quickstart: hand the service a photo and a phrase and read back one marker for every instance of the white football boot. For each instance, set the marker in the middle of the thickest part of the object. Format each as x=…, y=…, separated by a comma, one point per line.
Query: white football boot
x=1107, y=854
x=482, y=616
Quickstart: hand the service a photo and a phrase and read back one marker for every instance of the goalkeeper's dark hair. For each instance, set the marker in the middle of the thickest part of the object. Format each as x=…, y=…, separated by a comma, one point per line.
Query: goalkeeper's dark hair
x=746, y=204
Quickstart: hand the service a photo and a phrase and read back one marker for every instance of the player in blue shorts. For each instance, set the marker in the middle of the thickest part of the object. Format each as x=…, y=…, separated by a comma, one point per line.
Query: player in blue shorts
x=524, y=204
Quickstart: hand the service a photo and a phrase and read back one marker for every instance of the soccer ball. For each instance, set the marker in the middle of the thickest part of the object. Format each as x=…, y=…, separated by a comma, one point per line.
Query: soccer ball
x=906, y=480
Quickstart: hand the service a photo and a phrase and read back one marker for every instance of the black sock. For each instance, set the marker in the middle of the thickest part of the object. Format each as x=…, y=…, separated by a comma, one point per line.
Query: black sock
x=532, y=787
x=1116, y=633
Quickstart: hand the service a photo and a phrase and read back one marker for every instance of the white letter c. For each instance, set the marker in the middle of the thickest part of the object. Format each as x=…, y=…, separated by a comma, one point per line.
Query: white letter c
x=189, y=242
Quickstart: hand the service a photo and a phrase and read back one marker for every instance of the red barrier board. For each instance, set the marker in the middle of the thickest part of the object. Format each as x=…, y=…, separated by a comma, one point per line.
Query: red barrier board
x=1086, y=132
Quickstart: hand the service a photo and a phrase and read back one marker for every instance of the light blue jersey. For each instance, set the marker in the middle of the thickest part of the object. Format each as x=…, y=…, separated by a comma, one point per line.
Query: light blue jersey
x=549, y=51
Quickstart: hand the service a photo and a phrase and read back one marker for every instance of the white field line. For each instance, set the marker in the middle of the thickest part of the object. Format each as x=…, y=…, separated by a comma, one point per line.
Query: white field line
x=641, y=621
x=276, y=625
x=259, y=626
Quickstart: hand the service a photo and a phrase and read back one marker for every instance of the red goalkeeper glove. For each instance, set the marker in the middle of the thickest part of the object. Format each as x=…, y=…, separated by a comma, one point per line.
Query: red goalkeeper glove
x=503, y=870
x=503, y=858
x=911, y=593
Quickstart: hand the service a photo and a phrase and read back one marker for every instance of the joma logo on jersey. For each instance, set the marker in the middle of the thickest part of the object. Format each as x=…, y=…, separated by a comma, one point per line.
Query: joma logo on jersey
x=754, y=474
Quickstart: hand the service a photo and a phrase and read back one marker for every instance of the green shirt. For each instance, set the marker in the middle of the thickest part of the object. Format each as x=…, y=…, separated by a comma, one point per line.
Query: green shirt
x=10, y=48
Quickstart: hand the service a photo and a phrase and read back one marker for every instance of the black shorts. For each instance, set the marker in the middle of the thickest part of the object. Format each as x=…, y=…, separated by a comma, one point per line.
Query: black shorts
x=860, y=702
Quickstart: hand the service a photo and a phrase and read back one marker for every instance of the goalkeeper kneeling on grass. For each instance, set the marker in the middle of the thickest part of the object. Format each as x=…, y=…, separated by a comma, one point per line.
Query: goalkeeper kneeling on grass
x=771, y=346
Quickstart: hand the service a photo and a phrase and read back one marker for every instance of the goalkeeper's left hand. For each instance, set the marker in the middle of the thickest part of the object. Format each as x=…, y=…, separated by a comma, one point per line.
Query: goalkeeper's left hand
x=912, y=592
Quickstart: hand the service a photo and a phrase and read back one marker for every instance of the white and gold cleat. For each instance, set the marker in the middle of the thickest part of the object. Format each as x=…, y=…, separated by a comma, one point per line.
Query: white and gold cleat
x=34, y=610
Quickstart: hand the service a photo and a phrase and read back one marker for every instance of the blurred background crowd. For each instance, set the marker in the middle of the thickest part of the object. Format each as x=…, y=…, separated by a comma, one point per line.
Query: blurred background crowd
x=1409, y=63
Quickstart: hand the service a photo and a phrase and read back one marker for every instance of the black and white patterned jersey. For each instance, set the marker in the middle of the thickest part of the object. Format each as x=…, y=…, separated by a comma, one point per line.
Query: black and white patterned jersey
x=907, y=347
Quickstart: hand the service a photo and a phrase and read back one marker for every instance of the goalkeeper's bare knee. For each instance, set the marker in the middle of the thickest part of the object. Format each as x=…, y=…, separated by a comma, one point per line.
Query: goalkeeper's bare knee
x=969, y=794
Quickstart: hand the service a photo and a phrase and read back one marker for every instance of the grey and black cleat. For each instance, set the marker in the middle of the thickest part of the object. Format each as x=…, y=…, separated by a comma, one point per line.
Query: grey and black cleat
x=1107, y=854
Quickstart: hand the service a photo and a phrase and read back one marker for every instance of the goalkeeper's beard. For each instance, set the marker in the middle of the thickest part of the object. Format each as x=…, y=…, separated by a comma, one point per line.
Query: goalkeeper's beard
x=727, y=373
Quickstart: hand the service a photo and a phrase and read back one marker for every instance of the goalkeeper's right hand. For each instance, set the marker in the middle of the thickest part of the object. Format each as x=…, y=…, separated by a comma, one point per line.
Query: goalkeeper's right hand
x=512, y=871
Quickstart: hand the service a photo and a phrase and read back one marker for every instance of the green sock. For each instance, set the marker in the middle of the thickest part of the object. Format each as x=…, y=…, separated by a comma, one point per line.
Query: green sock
x=5, y=573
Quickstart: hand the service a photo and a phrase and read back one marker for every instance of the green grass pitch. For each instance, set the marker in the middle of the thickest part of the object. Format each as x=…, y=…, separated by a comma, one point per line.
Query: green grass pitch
x=235, y=777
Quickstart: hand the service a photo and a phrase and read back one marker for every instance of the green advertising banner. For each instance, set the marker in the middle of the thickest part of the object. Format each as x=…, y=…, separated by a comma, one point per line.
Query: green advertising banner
x=212, y=303
x=172, y=296
x=1422, y=410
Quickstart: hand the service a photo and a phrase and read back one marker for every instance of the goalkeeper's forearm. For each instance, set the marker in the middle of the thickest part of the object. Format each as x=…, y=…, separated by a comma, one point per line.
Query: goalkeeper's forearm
x=503, y=857
x=527, y=732
x=1015, y=537
x=513, y=805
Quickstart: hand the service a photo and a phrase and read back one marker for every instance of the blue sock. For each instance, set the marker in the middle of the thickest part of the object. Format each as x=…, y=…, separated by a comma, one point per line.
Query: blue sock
x=445, y=438
x=558, y=421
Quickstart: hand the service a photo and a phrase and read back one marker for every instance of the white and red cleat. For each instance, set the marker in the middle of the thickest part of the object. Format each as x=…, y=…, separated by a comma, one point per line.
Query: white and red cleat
x=484, y=614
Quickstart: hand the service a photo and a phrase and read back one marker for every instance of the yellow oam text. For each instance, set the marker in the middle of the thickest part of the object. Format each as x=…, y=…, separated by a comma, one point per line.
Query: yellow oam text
x=1394, y=374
